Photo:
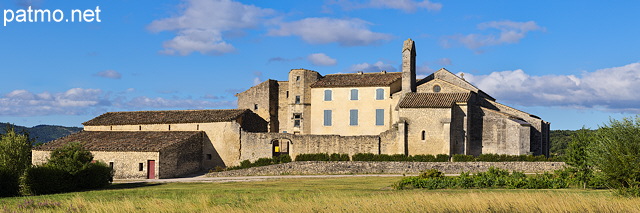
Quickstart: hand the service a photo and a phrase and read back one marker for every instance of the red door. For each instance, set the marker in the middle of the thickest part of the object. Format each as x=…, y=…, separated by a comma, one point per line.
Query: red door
x=151, y=169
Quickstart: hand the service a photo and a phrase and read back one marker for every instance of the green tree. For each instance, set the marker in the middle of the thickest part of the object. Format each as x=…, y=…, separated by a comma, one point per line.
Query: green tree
x=577, y=156
x=72, y=157
x=15, y=151
x=615, y=151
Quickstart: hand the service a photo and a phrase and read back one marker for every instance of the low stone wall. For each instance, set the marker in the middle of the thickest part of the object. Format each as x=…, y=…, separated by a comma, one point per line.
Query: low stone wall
x=367, y=167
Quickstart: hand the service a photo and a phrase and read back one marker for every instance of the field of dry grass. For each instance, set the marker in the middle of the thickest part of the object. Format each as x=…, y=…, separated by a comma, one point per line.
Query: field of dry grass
x=352, y=194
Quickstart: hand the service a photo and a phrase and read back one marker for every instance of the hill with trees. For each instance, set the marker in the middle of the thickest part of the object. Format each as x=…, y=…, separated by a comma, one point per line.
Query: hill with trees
x=42, y=133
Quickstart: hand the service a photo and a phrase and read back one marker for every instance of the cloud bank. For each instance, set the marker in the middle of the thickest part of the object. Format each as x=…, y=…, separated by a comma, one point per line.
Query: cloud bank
x=509, y=32
x=612, y=89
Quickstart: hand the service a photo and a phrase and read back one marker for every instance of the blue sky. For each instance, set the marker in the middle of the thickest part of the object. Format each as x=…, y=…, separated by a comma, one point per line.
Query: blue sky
x=573, y=63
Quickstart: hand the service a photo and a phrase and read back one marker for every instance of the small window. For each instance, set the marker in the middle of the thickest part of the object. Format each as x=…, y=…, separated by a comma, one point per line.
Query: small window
x=354, y=94
x=255, y=107
x=380, y=94
x=287, y=94
x=353, y=117
x=140, y=127
x=379, y=117
x=297, y=99
x=327, y=95
x=422, y=135
x=209, y=157
x=111, y=165
x=327, y=117
x=140, y=166
x=169, y=127
x=297, y=78
x=197, y=126
x=284, y=131
x=436, y=88
x=297, y=118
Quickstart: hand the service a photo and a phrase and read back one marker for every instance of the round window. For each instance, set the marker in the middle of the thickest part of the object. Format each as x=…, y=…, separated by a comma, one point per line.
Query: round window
x=436, y=88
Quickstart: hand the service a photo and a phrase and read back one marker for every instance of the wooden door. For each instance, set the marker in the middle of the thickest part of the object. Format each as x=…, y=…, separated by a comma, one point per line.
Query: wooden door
x=151, y=169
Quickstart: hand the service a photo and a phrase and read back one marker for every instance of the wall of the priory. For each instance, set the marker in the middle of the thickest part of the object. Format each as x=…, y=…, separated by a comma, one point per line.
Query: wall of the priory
x=340, y=106
x=445, y=87
x=454, y=79
x=539, y=140
x=259, y=145
x=502, y=135
x=299, y=84
x=222, y=139
x=125, y=164
x=459, y=129
x=284, y=117
x=435, y=122
x=262, y=99
x=181, y=159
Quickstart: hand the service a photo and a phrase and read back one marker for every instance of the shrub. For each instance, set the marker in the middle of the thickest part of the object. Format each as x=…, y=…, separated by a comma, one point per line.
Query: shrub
x=463, y=158
x=313, y=157
x=281, y=159
x=9, y=185
x=245, y=164
x=614, y=151
x=431, y=173
x=442, y=158
x=339, y=157
x=364, y=157
x=39, y=180
x=262, y=162
x=423, y=158
x=93, y=176
x=72, y=157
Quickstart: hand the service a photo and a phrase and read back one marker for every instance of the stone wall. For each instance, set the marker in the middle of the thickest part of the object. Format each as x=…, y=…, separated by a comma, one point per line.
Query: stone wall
x=263, y=100
x=366, y=167
x=435, y=122
x=260, y=145
x=125, y=164
x=181, y=159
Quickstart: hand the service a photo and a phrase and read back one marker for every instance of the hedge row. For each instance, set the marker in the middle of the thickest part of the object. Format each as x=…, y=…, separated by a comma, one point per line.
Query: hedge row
x=48, y=179
x=8, y=183
x=494, y=178
x=322, y=157
x=260, y=162
x=499, y=158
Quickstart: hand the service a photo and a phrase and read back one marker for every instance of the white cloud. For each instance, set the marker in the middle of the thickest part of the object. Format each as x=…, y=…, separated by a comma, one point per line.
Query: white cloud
x=614, y=89
x=72, y=102
x=109, y=74
x=510, y=32
x=375, y=67
x=320, y=59
x=257, y=78
x=408, y=6
x=346, y=32
x=201, y=23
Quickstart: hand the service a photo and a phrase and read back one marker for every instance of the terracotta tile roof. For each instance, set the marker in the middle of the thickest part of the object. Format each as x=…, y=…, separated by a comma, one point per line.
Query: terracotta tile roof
x=165, y=117
x=141, y=141
x=358, y=80
x=432, y=100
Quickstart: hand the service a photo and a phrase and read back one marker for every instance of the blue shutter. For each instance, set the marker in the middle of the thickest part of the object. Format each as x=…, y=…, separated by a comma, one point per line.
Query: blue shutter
x=327, y=95
x=354, y=94
x=353, y=117
x=327, y=117
x=379, y=117
x=379, y=94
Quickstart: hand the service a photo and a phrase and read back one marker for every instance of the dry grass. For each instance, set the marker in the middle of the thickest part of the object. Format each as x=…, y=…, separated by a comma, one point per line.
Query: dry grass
x=363, y=194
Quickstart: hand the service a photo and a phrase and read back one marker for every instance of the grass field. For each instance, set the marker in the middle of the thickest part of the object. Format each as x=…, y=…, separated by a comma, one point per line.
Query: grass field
x=352, y=194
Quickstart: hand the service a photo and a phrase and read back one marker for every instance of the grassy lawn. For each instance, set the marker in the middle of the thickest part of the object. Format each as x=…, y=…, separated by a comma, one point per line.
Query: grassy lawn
x=352, y=194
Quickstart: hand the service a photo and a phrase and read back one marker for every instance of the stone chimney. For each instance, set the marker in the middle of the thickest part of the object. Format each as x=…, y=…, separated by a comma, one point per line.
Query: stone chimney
x=408, y=67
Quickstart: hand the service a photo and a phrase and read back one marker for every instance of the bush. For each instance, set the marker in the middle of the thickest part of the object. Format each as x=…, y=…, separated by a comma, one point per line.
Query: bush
x=94, y=176
x=72, y=157
x=442, y=158
x=423, y=158
x=281, y=159
x=339, y=157
x=39, y=180
x=364, y=157
x=9, y=185
x=614, y=151
x=463, y=158
x=313, y=157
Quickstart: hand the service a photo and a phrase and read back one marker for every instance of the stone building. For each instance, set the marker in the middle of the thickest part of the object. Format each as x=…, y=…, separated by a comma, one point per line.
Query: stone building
x=380, y=113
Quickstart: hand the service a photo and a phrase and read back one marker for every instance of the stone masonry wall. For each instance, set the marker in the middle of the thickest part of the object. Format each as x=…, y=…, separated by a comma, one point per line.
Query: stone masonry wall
x=366, y=167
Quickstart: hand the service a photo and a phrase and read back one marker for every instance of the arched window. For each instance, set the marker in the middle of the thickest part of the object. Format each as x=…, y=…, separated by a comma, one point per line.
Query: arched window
x=422, y=135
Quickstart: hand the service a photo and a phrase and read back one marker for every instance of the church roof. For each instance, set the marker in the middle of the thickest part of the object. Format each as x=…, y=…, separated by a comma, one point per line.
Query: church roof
x=142, y=141
x=166, y=117
x=432, y=100
x=358, y=80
